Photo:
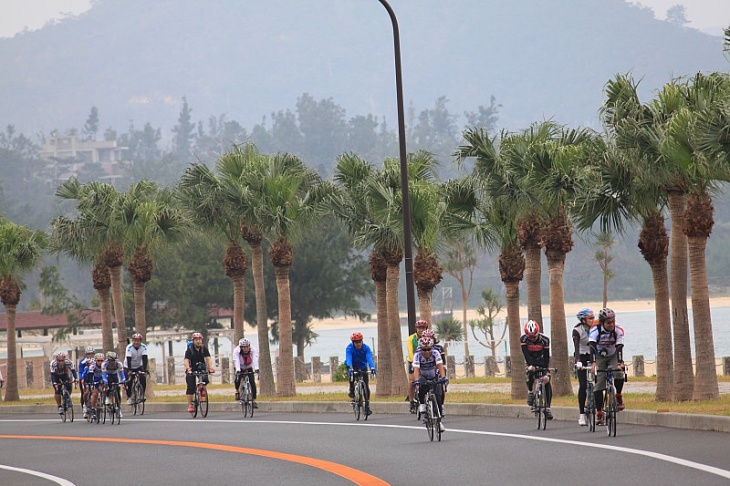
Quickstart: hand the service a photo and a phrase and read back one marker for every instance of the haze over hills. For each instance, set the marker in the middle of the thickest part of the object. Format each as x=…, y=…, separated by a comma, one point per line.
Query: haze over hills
x=135, y=60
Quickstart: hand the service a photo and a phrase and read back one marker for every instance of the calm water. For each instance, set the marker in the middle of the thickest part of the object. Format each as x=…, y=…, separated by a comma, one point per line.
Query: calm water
x=640, y=329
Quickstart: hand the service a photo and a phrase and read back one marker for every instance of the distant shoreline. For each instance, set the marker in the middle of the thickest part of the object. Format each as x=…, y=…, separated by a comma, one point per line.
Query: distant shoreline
x=570, y=310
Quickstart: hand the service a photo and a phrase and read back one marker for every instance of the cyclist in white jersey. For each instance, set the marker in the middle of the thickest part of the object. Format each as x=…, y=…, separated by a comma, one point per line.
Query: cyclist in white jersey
x=428, y=365
x=607, y=344
x=246, y=360
x=136, y=360
x=582, y=357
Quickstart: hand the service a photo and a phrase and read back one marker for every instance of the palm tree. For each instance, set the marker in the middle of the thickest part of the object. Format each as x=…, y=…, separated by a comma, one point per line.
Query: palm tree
x=156, y=221
x=448, y=331
x=291, y=200
x=460, y=262
x=98, y=205
x=71, y=238
x=20, y=251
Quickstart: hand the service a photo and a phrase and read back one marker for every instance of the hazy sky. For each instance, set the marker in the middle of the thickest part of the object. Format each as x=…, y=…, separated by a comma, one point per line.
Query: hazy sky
x=710, y=16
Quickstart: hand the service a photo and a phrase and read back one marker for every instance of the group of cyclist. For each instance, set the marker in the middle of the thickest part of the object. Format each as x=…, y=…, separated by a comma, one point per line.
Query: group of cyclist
x=96, y=371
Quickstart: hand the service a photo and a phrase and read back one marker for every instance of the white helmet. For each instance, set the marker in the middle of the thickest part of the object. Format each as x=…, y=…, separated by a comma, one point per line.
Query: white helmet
x=244, y=342
x=90, y=350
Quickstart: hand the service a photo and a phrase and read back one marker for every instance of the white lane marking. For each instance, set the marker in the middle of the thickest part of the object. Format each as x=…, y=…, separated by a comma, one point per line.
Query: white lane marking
x=55, y=479
x=655, y=455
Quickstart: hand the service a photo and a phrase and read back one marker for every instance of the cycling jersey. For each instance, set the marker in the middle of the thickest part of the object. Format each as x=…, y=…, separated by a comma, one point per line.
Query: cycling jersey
x=537, y=352
x=580, y=340
x=136, y=357
x=83, y=365
x=245, y=361
x=359, y=359
x=606, y=343
x=94, y=373
x=412, y=346
x=112, y=371
x=63, y=371
x=428, y=365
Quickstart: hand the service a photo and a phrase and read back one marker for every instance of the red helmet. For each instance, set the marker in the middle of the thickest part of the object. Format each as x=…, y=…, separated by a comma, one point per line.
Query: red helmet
x=421, y=323
x=425, y=342
x=137, y=336
x=532, y=329
x=197, y=335
x=356, y=336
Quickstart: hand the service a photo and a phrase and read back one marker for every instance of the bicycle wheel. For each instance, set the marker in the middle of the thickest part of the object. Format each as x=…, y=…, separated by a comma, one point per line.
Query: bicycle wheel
x=98, y=410
x=436, y=416
x=134, y=397
x=250, y=401
x=203, y=402
x=429, y=419
x=63, y=406
x=246, y=401
x=539, y=407
x=357, y=405
x=611, y=414
x=590, y=409
x=139, y=399
x=70, y=409
x=194, y=413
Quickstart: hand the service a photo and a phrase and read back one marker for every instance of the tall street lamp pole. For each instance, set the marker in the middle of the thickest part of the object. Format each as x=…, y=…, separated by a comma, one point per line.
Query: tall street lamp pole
x=408, y=249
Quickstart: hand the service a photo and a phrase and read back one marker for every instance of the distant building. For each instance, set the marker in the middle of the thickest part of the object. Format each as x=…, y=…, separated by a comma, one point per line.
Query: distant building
x=91, y=151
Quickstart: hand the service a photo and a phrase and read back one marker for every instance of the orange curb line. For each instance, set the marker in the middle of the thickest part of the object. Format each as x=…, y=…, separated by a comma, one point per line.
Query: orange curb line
x=354, y=475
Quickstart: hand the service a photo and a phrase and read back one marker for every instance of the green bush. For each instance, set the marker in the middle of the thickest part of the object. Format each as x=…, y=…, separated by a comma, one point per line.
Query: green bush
x=341, y=373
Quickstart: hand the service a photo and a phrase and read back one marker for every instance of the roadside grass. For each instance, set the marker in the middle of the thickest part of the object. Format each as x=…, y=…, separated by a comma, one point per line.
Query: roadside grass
x=634, y=401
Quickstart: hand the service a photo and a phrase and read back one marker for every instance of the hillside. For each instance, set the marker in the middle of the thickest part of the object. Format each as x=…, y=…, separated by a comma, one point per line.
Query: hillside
x=135, y=60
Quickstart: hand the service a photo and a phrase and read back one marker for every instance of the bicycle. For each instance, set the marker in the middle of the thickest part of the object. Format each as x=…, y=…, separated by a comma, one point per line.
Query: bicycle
x=360, y=402
x=245, y=394
x=67, y=406
x=200, y=397
x=112, y=409
x=432, y=415
x=137, y=395
x=540, y=405
x=87, y=401
x=590, y=408
x=610, y=408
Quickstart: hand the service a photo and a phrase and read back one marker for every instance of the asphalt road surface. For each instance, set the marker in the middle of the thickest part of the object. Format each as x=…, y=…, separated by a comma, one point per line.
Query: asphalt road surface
x=332, y=449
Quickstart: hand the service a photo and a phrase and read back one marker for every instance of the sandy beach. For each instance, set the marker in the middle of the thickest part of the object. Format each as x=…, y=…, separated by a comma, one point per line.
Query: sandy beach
x=570, y=310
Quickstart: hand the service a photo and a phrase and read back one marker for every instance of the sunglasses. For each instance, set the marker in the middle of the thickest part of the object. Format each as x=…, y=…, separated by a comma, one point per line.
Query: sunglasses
x=357, y=342
x=426, y=349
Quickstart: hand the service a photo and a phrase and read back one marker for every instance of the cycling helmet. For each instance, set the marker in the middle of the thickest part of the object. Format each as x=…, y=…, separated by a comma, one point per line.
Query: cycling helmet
x=605, y=314
x=99, y=356
x=137, y=336
x=356, y=336
x=244, y=342
x=421, y=323
x=587, y=314
x=197, y=335
x=425, y=342
x=111, y=355
x=429, y=334
x=532, y=329
x=90, y=350
x=61, y=356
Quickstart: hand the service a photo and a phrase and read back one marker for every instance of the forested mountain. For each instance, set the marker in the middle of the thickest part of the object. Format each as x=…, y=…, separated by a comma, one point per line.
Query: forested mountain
x=135, y=60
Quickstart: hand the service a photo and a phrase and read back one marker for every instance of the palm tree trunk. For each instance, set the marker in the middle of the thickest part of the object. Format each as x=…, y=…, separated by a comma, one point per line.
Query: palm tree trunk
x=664, y=361
x=705, y=385
x=266, y=373
x=285, y=372
x=683, y=373
x=424, y=305
x=118, y=301
x=512, y=296
x=105, y=305
x=399, y=383
x=558, y=334
x=385, y=363
x=140, y=319
x=11, y=381
x=239, y=290
x=533, y=278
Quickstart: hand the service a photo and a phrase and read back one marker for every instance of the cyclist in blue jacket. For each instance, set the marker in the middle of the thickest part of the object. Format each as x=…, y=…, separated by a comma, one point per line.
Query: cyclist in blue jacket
x=358, y=357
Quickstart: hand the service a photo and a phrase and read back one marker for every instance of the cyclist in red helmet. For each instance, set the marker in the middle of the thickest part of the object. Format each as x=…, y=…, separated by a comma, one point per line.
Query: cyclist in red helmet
x=359, y=357
x=536, y=349
x=136, y=360
x=197, y=358
x=421, y=325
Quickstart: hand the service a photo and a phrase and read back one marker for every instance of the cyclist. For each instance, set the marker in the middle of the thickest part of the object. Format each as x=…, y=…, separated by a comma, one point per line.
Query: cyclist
x=428, y=365
x=84, y=363
x=582, y=357
x=94, y=379
x=412, y=342
x=197, y=358
x=246, y=360
x=63, y=373
x=136, y=360
x=358, y=357
x=536, y=349
x=607, y=347
x=112, y=371
x=438, y=347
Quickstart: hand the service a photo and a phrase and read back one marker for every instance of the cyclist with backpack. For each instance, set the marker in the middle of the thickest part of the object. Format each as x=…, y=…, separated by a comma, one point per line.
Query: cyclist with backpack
x=428, y=365
x=582, y=357
x=197, y=358
x=606, y=341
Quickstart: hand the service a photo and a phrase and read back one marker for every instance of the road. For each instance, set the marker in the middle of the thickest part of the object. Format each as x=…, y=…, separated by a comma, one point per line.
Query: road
x=165, y=448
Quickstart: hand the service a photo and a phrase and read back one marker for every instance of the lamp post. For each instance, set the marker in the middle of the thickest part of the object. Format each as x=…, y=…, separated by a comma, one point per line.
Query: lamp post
x=408, y=249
